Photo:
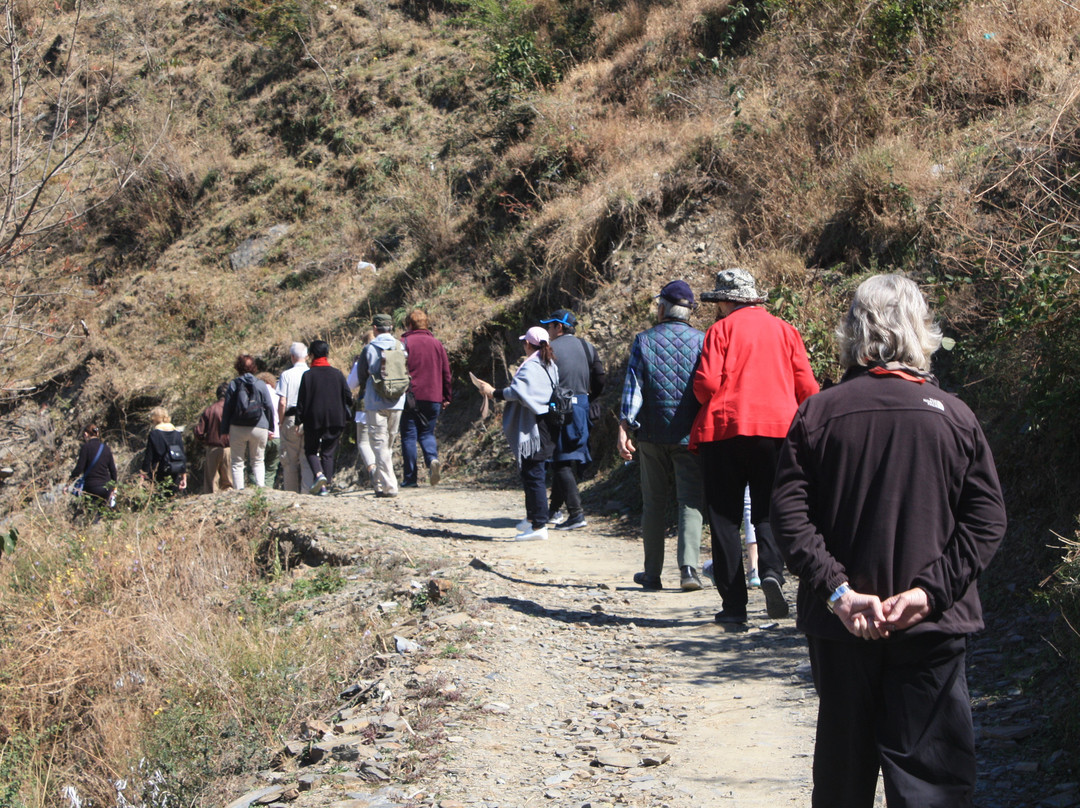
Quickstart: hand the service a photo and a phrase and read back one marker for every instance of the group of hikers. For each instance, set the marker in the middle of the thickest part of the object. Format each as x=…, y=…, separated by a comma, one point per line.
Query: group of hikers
x=879, y=493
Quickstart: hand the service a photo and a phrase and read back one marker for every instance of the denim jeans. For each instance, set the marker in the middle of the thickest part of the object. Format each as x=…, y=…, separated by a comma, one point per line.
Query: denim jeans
x=534, y=482
x=413, y=430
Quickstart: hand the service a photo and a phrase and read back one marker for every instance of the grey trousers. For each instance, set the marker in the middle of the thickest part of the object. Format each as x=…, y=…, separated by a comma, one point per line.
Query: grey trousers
x=663, y=465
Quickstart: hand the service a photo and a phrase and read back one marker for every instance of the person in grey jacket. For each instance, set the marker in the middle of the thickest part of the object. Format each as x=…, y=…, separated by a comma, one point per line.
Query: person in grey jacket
x=658, y=409
x=887, y=506
x=583, y=373
x=383, y=416
x=526, y=427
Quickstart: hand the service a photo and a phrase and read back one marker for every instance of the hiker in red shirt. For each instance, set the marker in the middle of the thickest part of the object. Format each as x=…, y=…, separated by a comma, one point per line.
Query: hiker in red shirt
x=753, y=374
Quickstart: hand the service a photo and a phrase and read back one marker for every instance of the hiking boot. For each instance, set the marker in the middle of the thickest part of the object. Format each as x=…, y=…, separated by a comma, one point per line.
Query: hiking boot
x=690, y=581
x=318, y=485
x=435, y=471
x=753, y=580
x=532, y=534
x=557, y=518
x=706, y=570
x=775, y=605
x=647, y=581
x=386, y=493
x=726, y=618
x=573, y=523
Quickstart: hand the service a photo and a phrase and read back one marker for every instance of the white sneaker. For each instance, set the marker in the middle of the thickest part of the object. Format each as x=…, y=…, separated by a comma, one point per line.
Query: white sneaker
x=524, y=526
x=318, y=485
x=539, y=534
x=557, y=518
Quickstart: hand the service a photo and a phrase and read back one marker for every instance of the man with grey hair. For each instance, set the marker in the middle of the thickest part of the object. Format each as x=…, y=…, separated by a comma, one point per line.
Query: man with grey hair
x=753, y=374
x=887, y=506
x=658, y=409
x=296, y=472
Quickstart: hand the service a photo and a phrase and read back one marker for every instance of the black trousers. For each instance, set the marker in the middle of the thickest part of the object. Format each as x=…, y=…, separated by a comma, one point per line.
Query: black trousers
x=534, y=483
x=319, y=447
x=728, y=466
x=902, y=705
x=564, y=486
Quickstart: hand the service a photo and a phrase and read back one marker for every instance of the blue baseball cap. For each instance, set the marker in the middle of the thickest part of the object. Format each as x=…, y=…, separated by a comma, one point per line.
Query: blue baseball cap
x=679, y=293
x=562, y=316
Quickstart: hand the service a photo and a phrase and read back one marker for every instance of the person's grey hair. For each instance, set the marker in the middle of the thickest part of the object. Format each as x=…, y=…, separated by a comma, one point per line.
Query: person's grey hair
x=888, y=321
x=673, y=311
x=298, y=351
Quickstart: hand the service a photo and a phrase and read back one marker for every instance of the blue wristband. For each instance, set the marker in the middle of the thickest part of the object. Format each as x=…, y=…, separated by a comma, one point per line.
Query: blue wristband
x=838, y=593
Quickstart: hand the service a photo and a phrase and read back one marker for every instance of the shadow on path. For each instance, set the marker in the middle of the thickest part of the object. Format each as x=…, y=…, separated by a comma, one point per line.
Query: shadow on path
x=432, y=532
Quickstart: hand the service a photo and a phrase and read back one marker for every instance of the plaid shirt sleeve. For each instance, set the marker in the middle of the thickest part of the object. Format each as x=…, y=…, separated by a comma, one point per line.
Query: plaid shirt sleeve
x=631, y=392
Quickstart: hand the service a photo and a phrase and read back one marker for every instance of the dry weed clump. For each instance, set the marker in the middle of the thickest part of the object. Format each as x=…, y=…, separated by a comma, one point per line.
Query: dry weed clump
x=428, y=210
x=134, y=638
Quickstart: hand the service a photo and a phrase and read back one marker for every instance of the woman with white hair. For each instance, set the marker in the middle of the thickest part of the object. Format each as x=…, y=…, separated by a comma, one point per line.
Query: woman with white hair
x=887, y=506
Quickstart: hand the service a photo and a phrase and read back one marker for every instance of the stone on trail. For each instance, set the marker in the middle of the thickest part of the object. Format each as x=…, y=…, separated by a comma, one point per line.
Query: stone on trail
x=455, y=620
x=556, y=779
x=438, y=589
x=405, y=646
x=1009, y=733
x=273, y=796
x=613, y=757
x=252, y=796
x=315, y=729
x=353, y=726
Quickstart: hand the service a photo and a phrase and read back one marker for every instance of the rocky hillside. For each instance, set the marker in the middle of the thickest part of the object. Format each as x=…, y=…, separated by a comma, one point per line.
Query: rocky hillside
x=188, y=180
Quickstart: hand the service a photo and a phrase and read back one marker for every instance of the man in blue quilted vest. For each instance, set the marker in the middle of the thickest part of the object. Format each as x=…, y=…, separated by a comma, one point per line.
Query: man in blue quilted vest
x=658, y=409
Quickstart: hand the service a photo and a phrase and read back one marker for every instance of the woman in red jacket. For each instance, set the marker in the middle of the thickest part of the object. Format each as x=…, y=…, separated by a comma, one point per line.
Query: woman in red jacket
x=753, y=374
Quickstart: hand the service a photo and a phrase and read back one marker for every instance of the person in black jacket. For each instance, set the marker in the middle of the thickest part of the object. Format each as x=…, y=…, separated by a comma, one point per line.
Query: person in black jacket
x=323, y=407
x=887, y=506
x=96, y=465
x=164, y=460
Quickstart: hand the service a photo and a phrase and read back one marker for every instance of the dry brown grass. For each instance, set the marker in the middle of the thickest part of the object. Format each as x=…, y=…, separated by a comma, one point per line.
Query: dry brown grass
x=116, y=631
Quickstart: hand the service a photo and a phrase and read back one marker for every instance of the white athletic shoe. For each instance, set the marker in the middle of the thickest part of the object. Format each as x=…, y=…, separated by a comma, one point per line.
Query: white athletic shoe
x=540, y=534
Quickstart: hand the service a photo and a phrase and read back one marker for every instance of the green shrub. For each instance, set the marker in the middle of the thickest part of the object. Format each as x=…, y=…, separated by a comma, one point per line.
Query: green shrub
x=280, y=25
x=520, y=66
x=893, y=23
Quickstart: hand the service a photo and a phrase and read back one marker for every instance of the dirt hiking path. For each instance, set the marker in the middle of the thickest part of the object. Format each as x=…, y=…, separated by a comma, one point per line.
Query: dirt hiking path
x=591, y=691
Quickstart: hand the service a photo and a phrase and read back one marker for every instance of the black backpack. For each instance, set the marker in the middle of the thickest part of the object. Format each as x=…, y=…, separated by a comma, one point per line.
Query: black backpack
x=561, y=403
x=173, y=462
x=248, y=407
